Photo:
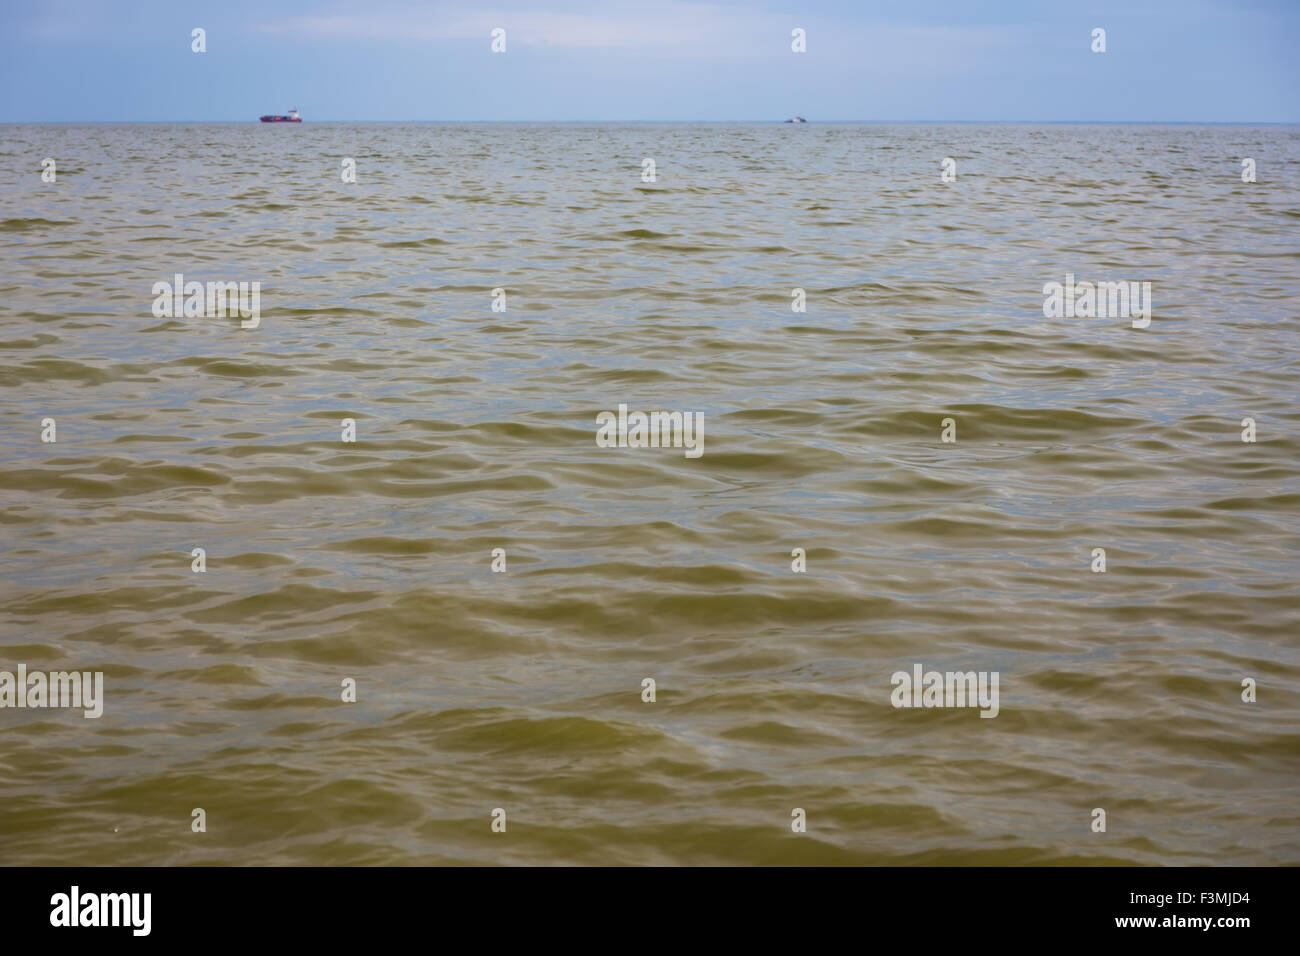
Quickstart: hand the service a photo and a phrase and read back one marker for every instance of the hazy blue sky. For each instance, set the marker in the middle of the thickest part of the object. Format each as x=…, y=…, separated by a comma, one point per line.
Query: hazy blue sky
x=1166, y=60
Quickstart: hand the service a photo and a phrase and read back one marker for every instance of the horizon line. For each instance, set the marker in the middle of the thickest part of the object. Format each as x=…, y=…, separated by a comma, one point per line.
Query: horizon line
x=987, y=122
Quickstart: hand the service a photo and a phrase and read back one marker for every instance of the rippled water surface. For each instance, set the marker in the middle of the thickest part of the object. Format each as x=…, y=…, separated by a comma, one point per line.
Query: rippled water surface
x=476, y=430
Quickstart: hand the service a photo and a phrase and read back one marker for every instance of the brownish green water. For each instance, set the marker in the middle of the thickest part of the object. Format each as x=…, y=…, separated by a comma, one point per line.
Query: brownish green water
x=476, y=430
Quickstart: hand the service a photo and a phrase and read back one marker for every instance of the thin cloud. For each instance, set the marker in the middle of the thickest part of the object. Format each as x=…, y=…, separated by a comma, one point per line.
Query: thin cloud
x=677, y=29
x=680, y=27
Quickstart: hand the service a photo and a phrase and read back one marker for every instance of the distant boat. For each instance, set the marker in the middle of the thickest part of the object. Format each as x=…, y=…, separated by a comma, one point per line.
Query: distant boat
x=797, y=119
x=290, y=117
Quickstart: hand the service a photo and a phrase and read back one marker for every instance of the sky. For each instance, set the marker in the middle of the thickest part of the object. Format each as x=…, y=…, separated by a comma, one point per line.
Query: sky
x=654, y=60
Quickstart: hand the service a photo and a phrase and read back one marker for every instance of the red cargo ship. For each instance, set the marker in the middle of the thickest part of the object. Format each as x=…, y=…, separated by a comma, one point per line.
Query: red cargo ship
x=290, y=117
